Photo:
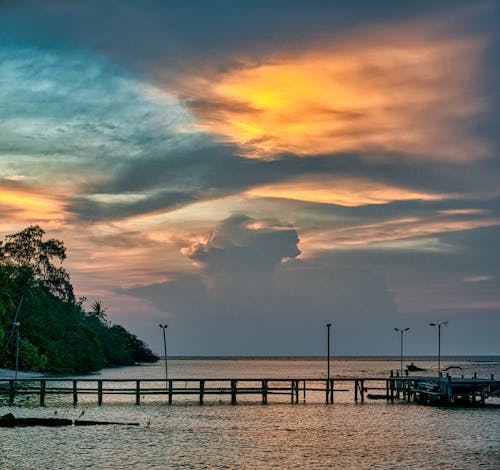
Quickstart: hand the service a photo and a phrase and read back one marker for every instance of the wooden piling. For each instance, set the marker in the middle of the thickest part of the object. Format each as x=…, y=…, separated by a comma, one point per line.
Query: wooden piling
x=42, y=392
x=327, y=390
x=362, y=390
x=170, y=390
x=12, y=390
x=202, y=391
x=137, y=392
x=234, y=391
x=75, y=392
x=331, y=390
x=356, y=390
x=264, y=392
x=99, y=392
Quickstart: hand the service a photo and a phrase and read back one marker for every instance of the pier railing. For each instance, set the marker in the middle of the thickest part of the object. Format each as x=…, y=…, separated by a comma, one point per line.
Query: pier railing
x=433, y=390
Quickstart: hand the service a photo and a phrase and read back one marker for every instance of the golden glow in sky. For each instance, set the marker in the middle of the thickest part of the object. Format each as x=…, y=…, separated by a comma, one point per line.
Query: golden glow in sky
x=351, y=192
x=30, y=204
x=410, y=98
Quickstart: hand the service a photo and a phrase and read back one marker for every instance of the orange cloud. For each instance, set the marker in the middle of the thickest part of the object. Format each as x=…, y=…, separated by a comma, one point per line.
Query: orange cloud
x=398, y=95
x=351, y=192
x=409, y=233
x=34, y=205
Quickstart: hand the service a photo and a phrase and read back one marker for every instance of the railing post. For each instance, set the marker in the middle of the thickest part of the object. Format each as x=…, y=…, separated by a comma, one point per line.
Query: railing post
x=137, y=392
x=99, y=392
x=202, y=390
x=233, y=391
x=448, y=391
x=264, y=392
x=12, y=390
x=42, y=392
x=75, y=392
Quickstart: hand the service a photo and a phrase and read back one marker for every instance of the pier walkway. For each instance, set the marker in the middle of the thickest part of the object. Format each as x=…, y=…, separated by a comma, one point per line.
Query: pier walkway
x=425, y=390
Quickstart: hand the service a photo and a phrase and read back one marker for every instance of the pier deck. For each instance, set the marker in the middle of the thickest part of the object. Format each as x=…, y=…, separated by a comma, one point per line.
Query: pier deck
x=425, y=390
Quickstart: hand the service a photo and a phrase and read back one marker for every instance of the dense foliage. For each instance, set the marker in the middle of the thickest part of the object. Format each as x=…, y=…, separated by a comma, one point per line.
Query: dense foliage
x=55, y=332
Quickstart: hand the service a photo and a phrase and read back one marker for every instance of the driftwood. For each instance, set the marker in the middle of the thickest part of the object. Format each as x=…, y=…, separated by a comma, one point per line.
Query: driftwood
x=10, y=421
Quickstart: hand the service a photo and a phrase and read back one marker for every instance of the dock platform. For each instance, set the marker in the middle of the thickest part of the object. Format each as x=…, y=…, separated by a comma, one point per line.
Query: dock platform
x=441, y=391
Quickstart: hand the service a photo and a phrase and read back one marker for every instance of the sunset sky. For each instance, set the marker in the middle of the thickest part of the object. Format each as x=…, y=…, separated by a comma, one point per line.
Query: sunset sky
x=248, y=171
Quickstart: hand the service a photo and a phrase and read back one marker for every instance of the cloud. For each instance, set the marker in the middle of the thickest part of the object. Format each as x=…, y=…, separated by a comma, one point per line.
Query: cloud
x=343, y=191
x=414, y=98
x=243, y=253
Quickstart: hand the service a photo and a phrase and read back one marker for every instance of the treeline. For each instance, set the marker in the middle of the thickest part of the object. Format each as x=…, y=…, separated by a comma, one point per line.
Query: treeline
x=40, y=314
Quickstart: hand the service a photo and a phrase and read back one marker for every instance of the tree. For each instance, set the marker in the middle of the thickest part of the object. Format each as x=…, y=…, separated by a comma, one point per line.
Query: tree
x=99, y=312
x=27, y=249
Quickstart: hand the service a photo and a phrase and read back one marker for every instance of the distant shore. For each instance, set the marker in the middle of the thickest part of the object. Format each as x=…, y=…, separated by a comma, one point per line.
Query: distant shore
x=10, y=374
x=463, y=358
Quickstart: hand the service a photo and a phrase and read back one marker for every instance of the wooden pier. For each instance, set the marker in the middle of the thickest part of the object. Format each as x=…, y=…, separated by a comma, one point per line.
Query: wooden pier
x=425, y=390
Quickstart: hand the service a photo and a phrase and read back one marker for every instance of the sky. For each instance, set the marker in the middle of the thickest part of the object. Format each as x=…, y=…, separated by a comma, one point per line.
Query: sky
x=248, y=171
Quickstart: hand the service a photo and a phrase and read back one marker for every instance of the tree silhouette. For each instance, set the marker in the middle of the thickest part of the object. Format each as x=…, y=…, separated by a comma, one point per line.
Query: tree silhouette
x=26, y=249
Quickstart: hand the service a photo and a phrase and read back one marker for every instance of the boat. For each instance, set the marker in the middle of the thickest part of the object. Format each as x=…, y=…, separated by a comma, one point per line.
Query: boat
x=413, y=368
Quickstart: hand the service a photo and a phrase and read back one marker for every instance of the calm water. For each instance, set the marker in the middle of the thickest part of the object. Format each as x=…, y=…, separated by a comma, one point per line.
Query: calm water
x=249, y=435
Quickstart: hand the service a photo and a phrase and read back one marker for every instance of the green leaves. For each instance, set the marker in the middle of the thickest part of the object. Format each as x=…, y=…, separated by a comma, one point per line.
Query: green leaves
x=26, y=249
x=56, y=333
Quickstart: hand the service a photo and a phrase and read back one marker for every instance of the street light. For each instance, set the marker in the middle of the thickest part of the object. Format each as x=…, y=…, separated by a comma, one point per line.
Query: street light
x=328, y=325
x=402, y=331
x=17, y=325
x=439, y=325
x=164, y=327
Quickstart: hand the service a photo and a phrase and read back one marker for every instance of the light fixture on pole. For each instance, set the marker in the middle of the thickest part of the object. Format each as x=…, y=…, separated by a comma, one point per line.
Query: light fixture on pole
x=402, y=331
x=17, y=325
x=328, y=325
x=164, y=327
x=439, y=325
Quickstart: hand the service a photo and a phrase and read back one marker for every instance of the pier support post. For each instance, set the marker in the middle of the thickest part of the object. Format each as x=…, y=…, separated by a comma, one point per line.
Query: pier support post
x=391, y=386
x=170, y=391
x=42, y=392
x=362, y=390
x=202, y=391
x=12, y=390
x=75, y=392
x=304, y=391
x=99, y=392
x=332, y=382
x=264, y=392
x=327, y=390
x=137, y=392
x=356, y=390
x=448, y=390
x=233, y=391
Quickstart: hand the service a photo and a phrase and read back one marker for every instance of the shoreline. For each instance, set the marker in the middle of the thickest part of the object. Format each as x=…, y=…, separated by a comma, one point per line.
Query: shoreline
x=10, y=374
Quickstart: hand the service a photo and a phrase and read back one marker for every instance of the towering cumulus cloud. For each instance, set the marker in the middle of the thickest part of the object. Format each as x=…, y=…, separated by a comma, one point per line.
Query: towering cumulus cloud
x=242, y=254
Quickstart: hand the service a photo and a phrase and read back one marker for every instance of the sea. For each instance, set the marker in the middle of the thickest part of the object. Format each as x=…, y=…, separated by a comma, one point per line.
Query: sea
x=249, y=435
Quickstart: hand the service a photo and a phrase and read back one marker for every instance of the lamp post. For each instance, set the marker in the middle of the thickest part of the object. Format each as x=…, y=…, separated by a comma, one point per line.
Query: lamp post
x=328, y=325
x=439, y=325
x=17, y=325
x=164, y=327
x=402, y=331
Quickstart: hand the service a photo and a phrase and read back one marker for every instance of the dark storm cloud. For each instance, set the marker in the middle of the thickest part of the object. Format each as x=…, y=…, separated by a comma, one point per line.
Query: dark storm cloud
x=182, y=34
